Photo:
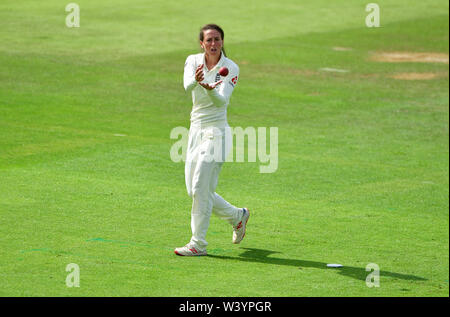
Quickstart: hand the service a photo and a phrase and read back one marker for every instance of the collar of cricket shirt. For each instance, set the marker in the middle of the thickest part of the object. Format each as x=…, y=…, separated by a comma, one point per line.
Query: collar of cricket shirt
x=218, y=65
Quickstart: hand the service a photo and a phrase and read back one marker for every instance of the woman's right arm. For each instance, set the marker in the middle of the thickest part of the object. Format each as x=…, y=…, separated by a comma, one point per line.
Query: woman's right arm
x=189, y=74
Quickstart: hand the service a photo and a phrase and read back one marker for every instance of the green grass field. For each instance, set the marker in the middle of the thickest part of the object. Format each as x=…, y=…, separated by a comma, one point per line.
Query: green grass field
x=86, y=176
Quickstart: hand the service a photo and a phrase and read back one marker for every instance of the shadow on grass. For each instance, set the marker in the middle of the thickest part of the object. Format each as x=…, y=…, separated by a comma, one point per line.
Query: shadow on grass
x=262, y=256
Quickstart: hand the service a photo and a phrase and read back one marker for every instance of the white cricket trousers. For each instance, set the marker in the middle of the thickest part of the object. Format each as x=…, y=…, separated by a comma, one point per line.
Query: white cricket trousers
x=206, y=152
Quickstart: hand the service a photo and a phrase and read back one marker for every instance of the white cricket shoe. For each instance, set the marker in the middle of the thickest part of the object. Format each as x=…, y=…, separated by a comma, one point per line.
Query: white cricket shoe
x=188, y=250
x=239, y=229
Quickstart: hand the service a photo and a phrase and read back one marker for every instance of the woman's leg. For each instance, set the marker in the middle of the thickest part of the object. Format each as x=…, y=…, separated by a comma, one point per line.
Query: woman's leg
x=202, y=174
x=204, y=182
x=201, y=181
x=222, y=208
x=226, y=211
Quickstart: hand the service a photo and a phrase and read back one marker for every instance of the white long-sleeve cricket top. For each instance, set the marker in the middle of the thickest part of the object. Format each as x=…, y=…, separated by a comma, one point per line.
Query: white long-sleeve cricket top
x=210, y=106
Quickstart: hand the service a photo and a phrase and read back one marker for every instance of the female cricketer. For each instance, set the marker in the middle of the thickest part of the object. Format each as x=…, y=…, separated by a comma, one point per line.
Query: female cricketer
x=209, y=139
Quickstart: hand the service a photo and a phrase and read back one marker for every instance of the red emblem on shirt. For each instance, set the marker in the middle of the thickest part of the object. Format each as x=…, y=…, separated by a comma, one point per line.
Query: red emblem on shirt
x=234, y=80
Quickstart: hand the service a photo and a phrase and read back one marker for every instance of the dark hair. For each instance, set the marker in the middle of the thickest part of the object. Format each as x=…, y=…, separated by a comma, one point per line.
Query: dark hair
x=212, y=27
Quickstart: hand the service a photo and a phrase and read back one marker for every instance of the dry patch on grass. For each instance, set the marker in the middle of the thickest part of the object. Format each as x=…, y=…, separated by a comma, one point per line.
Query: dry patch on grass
x=414, y=76
x=342, y=49
x=400, y=57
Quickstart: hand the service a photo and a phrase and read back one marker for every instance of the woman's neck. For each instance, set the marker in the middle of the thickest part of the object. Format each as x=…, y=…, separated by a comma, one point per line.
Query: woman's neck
x=211, y=61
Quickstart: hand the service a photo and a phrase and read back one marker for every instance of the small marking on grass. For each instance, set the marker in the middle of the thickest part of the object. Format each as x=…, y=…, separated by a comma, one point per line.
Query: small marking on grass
x=334, y=70
x=34, y=250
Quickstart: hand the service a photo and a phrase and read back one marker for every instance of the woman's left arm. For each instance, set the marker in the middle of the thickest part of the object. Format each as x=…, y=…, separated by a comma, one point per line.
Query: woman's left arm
x=221, y=96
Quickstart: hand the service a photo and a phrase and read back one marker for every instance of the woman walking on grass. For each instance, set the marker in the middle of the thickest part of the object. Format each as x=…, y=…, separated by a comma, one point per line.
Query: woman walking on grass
x=209, y=139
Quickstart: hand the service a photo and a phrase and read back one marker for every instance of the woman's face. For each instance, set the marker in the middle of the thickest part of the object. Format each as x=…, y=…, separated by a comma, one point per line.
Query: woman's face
x=212, y=42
